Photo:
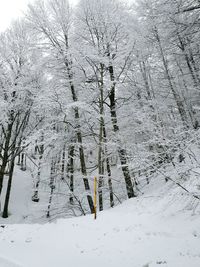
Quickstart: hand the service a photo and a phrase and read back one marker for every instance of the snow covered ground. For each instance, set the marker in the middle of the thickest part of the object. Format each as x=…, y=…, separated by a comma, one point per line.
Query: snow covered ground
x=146, y=231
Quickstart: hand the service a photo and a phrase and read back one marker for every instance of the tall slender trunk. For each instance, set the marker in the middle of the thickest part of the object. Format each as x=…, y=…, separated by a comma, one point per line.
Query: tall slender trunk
x=100, y=147
x=5, y=155
x=35, y=197
x=145, y=78
x=190, y=62
x=177, y=98
x=194, y=65
x=7, y=198
x=23, y=161
x=70, y=172
x=63, y=163
x=19, y=159
x=108, y=168
x=191, y=111
x=80, y=142
x=52, y=187
x=121, y=151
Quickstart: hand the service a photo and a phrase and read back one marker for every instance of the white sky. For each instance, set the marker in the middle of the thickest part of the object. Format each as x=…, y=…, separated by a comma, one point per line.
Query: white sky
x=11, y=9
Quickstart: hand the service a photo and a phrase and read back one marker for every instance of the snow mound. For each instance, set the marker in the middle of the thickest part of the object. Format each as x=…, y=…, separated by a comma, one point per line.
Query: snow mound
x=137, y=233
x=7, y=263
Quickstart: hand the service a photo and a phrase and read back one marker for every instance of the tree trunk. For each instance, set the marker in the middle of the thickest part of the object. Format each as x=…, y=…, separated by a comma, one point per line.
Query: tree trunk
x=5, y=210
x=63, y=164
x=100, y=149
x=52, y=187
x=145, y=78
x=121, y=151
x=35, y=197
x=80, y=142
x=175, y=94
x=5, y=155
x=70, y=172
x=23, y=162
x=108, y=169
x=191, y=111
x=19, y=159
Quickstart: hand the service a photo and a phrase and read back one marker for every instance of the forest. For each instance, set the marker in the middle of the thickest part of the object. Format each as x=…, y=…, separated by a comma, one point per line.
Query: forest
x=102, y=89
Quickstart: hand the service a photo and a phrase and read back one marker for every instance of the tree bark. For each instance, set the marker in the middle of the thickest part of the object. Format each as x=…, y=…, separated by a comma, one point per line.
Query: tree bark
x=35, y=197
x=5, y=210
x=80, y=142
x=70, y=172
x=63, y=163
x=178, y=101
x=5, y=155
x=121, y=151
x=100, y=147
x=108, y=169
x=52, y=187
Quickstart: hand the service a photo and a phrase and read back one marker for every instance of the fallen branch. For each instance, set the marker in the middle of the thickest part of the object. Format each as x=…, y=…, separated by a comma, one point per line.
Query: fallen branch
x=188, y=9
x=178, y=184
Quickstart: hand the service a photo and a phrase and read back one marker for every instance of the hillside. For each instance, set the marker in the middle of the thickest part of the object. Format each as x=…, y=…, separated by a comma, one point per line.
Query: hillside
x=159, y=228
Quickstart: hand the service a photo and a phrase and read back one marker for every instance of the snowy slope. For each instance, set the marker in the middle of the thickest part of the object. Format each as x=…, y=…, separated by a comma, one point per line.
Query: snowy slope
x=158, y=228
x=20, y=205
x=137, y=233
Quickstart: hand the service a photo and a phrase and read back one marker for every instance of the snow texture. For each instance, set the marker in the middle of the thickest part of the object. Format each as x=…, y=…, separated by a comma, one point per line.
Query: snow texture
x=147, y=231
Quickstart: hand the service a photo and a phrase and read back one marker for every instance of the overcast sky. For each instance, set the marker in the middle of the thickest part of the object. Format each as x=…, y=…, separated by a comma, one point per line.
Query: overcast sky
x=11, y=9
